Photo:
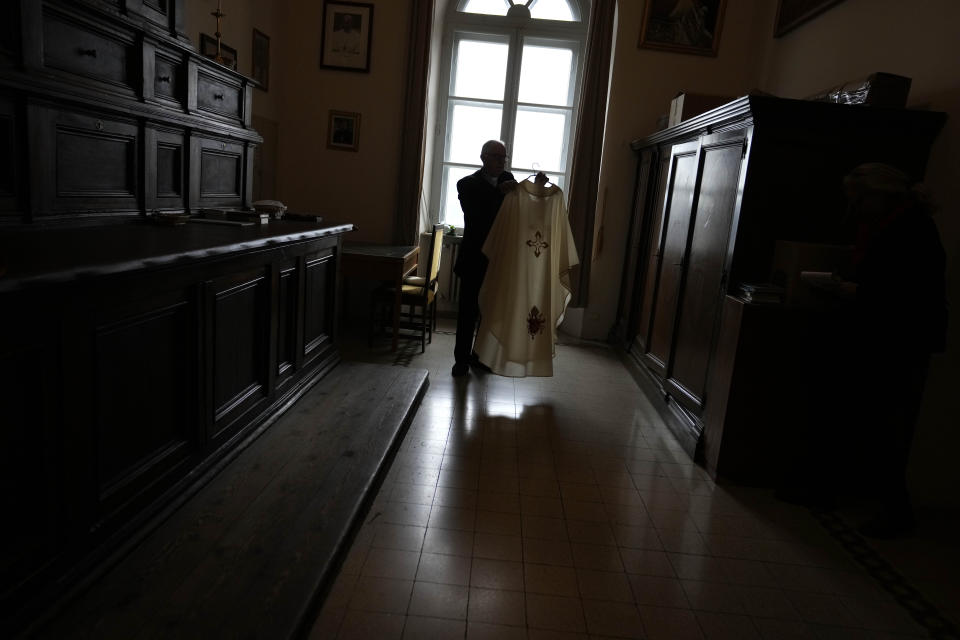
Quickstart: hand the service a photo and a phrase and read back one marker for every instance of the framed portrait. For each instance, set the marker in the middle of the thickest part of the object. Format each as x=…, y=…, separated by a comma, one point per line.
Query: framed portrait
x=346, y=36
x=792, y=13
x=208, y=49
x=683, y=27
x=343, y=131
x=260, y=59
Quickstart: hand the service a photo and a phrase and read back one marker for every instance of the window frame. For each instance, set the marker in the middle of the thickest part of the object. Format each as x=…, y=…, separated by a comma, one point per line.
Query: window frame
x=516, y=32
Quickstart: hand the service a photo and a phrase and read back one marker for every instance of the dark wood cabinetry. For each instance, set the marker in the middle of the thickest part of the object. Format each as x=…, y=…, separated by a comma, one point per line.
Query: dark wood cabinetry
x=134, y=356
x=122, y=117
x=712, y=198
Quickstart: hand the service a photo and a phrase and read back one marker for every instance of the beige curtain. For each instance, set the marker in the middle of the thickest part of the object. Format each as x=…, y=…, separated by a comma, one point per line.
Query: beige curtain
x=406, y=229
x=588, y=144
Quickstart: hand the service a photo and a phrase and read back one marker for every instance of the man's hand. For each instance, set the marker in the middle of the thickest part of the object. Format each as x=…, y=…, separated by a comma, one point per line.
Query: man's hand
x=507, y=186
x=541, y=179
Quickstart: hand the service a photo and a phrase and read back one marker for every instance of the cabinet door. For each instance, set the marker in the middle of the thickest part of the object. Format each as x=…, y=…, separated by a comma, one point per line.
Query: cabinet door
x=216, y=173
x=676, y=220
x=11, y=164
x=639, y=225
x=716, y=200
x=83, y=162
x=238, y=318
x=165, y=172
x=651, y=257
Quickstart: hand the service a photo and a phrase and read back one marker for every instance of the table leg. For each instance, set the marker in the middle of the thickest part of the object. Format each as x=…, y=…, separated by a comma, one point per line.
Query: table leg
x=398, y=288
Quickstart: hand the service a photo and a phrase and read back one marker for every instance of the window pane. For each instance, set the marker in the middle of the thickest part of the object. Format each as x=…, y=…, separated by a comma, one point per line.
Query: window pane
x=538, y=140
x=481, y=68
x=451, y=212
x=545, y=75
x=470, y=127
x=492, y=7
x=551, y=10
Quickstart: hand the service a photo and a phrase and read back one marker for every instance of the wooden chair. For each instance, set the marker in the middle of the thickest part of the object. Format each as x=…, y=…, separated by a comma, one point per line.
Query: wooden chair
x=419, y=295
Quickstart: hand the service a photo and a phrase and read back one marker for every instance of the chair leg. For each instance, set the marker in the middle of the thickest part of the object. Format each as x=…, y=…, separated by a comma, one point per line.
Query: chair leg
x=423, y=328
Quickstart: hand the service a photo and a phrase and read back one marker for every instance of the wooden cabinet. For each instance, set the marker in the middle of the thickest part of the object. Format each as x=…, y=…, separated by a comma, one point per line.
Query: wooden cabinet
x=713, y=196
x=122, y=115
x=133, y=359
x=134, y=356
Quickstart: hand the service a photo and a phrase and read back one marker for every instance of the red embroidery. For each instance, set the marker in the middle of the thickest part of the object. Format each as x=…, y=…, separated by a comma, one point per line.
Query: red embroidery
x=535, y=322
x=537, y=243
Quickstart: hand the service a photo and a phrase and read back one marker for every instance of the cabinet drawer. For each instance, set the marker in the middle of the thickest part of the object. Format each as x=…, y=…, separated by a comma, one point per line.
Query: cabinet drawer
x=83, y=50
x=219, y=96
x=168, y=78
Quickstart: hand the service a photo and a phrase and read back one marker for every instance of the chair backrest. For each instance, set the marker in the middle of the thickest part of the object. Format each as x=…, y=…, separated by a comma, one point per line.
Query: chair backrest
x=436, y=247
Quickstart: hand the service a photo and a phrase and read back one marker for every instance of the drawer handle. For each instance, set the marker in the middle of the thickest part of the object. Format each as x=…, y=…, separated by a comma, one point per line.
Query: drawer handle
x=218, y=96
x=163, y=79
x=88, y=52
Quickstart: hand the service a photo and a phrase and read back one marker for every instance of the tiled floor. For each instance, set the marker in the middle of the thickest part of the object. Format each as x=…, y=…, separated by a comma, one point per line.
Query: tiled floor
x=562, y=508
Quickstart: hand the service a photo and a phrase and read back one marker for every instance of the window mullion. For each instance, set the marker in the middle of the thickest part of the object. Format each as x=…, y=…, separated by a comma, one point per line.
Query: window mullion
x=512, y=89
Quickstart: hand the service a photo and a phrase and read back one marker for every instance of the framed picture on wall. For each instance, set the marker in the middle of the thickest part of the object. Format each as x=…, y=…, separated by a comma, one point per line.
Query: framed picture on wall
x=260, y=57
x=792, y=13
x=684, y=27
x=208, y=48
x=343, y=131
x=346, y=36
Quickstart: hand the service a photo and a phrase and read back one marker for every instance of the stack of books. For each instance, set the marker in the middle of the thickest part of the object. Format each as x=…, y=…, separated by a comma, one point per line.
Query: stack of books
x=760, y=293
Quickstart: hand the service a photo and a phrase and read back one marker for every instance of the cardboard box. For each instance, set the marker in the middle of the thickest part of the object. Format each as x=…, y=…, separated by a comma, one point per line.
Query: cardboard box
x=688, y=105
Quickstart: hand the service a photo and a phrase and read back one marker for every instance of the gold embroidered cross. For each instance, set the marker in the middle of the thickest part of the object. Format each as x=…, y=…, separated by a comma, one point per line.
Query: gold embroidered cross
x=537, y=243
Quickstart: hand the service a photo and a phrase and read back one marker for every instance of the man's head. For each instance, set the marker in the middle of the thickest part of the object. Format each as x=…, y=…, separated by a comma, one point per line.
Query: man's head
x=493, y=154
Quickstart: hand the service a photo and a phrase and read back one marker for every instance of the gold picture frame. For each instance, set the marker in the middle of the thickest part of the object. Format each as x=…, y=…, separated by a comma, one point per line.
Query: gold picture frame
x=693, y=29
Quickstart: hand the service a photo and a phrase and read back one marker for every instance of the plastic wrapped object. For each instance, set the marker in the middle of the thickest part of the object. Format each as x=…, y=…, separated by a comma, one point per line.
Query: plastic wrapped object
x=877, y=90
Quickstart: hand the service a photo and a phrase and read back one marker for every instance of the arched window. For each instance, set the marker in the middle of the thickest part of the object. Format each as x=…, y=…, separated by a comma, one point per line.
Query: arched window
x=513, y=73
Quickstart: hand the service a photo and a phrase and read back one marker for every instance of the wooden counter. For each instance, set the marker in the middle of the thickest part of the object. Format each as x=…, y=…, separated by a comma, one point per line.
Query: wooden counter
x=133, y=359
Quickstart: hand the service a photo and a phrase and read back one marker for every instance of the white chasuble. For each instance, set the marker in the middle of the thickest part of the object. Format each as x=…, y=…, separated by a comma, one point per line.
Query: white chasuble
x=527, y=285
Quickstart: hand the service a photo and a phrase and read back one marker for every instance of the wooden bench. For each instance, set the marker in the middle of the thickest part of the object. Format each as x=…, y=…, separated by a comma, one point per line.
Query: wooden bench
x=251, y=553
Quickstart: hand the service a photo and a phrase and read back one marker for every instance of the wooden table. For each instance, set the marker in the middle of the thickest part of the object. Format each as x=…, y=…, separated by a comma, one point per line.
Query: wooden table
x=390, y=263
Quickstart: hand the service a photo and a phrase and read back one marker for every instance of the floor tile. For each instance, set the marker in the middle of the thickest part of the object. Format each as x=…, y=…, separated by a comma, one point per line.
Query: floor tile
x=497, y=574
x=555, y=613
x=550, y=580
x=439, y=600
x=420, y=628
x=444, y=569
x=497, y=606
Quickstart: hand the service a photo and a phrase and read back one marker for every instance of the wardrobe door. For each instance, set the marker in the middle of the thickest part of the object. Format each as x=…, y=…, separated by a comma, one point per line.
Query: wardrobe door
x=716, y=202
x=651, y=256
x=676, y=220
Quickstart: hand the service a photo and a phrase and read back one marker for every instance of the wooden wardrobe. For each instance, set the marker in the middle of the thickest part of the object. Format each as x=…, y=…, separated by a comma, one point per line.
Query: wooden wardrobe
x=712, y=197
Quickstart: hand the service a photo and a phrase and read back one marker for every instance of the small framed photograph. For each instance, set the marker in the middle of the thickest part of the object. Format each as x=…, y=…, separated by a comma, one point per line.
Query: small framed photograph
x=208, y=49
x=346, y=36
x=260, y=57
x=343, y=131
x=693, y=27
x=792, y=13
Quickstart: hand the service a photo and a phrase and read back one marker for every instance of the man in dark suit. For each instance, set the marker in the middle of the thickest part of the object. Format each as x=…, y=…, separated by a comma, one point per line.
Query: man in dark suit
x=481, y=194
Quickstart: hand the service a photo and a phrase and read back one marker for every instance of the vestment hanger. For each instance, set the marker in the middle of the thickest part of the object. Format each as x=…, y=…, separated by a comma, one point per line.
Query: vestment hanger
x=532, y=178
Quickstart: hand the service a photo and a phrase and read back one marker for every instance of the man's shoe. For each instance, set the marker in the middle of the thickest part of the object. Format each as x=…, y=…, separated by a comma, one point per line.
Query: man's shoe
x=476, y=364
x=460, y=369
